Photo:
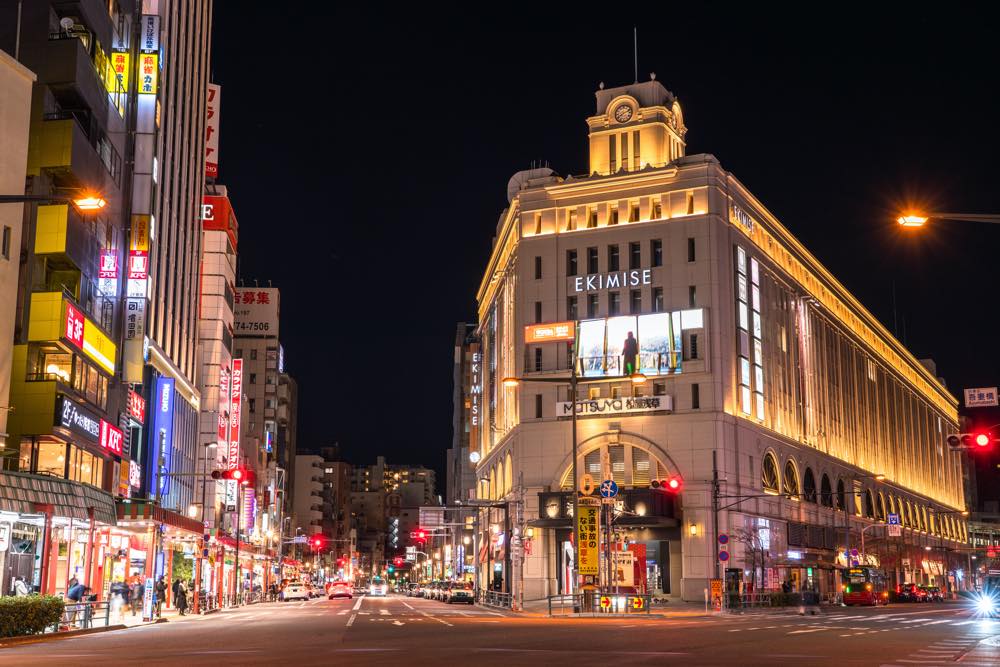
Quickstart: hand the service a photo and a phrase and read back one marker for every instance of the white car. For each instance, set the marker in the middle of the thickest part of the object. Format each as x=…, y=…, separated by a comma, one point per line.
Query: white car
x=378, y=587
x=295, y=590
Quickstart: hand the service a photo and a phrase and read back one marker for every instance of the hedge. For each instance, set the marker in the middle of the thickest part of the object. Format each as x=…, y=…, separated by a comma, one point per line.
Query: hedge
x=29, y=614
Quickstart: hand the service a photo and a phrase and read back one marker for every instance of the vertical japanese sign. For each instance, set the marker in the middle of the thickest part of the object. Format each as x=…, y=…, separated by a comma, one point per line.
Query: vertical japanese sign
x=74, y=325
x=475, y=397
x=212, y=104
x=588, y=529
x=163, y=430
x=235, y=412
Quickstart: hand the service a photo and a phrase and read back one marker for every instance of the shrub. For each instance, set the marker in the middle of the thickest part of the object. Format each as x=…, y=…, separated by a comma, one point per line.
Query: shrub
x=29, y=615
x=785, y=599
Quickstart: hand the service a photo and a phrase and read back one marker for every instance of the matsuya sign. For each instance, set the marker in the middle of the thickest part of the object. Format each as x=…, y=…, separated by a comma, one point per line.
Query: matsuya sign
x=623, y=405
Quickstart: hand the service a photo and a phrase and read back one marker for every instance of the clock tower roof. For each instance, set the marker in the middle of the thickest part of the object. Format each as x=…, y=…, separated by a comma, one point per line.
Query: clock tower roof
x=647, y=94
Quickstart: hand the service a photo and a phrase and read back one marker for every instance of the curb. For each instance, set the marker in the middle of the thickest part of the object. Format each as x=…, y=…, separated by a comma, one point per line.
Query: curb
x=54, y=636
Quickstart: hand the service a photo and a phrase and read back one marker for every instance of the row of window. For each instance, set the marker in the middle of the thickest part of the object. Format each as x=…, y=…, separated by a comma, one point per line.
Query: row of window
x=61, y=459
x=593, y=302
x=867, y=503
x=46, y=364
x=590, y=216
x=613, y=257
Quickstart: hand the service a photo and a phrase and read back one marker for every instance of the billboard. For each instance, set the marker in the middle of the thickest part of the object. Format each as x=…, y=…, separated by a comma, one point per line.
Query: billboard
x=588, y=529
x=658, y=335
x=549, y=333
x=163, y=430
x=256, y=311
x=111, y=437
x=88, y=338
x=212, y=103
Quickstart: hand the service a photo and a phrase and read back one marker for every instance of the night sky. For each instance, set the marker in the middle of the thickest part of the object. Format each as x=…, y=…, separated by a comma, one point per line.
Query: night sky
x=368, y=156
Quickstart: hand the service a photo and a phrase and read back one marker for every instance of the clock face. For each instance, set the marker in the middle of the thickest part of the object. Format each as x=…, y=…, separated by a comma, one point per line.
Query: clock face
x=623, y=113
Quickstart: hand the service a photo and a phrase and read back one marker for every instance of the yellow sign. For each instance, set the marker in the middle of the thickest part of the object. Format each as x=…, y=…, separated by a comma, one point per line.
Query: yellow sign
x=117, y=79
x=605, y=601
x=140, y=233
x=588, y=529
x=717, y=594
x=638, y=603
x=99, y=347
x=149, y=71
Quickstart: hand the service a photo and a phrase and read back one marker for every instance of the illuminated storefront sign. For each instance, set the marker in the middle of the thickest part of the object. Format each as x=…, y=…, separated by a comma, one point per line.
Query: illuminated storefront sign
x=163, y=428
x=475, y=397
x=149, y=39
x=138, y=265
x=235, y=413
x=135, y=317
x=609, y=406
x=111, y=438
x=117, y=80
x=76, y=418
x=549, y=333
x=616, y=280
x=588, y=528
x=136, y=406
x=743, y=219
x=88, y=338
x=212, y=130
x=134, y=474
x=107, y=273
x=148, y=73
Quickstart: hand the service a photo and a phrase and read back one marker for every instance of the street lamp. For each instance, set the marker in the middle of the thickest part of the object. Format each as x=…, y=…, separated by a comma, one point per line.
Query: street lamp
x=912, y=219
x=86, y=201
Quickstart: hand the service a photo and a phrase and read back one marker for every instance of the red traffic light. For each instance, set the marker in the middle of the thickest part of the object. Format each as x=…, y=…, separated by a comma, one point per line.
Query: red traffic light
x=236, y=474
x=982, y=439
x=397, y=560
x=673, y=484
x=317, y=542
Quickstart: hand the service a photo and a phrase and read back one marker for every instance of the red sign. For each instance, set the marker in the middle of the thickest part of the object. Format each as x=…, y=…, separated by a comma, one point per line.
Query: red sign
x=75, y=322
x=138, y=265
x=111, y=437
x=109, y=265
x=136, y=406
x=236, y=392
x=212, y=130
x=224, y=400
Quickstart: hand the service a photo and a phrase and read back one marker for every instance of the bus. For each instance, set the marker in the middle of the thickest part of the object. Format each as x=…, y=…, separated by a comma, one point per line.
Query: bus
x=864, y=585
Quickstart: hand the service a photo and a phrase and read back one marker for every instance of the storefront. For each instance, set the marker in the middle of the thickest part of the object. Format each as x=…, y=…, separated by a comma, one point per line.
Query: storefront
x=52, y=527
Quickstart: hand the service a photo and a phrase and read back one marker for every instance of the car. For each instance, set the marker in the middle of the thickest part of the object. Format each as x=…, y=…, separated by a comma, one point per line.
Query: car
x=912, y=593
x=339, y=589
x=295, y=590
x=461, y=592
x=934, y=593
x=378, y=587
x=413, y=590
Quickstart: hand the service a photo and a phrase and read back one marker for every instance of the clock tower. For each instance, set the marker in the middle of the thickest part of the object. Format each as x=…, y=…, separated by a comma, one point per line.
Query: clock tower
x=636, y=126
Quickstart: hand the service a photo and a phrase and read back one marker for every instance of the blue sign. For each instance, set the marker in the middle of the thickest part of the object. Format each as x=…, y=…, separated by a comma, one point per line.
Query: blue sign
x=609, y=489
x=723, y=556
x=893, y=519
x=723, y=538
x=163, y=432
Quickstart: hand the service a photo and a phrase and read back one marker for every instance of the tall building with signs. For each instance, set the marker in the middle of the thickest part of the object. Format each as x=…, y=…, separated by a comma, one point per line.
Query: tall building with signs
x=461, y=470
x=761, y=370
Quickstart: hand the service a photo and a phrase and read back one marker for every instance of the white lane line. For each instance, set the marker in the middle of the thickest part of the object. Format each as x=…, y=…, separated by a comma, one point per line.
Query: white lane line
x=450, y=625
x=407, y=606
x=350, y=621
x=799, y=632
x=383, y=612
x=357, y=605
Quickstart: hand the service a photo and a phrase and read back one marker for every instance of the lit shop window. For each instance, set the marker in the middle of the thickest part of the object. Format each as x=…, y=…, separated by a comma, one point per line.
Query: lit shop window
x=749, y=334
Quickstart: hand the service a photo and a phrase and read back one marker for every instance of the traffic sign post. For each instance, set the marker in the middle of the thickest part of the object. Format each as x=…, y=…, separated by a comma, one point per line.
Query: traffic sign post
x=609, y=489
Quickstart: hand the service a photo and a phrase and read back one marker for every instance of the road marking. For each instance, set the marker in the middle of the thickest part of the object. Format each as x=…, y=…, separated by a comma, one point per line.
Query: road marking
x=341, y=612
x=397, y=623
x=357, y=605
x=799, y=632
x=407, y=606
x=383, y=612
x=350, y=621
x=737, y=630
x=450, y=625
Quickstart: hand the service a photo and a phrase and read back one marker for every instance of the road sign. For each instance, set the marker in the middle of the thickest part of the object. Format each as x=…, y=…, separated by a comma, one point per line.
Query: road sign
x=723, y=556
x=854, y=553
x=609, y=489
x=716, y=594
x=893, y=519
x=638, y=603
x=979, y=397
x=300, y=539
x=895, y=530
x=723, y=538
x=605, y=601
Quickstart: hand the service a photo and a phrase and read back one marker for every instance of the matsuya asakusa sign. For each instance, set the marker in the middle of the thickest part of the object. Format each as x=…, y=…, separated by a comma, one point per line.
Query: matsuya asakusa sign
x=622, y=405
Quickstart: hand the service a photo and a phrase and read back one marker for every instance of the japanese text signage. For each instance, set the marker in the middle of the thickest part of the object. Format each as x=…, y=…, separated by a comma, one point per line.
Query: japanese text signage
x=134, y=474
x=624, y=405
x=135, y=317
x=111, y=438
x=76, y=418
x=107, y=273
x=75, y=323
x=256, y=311
x=981, y=397
x=149, y=41
x=212, y=104
x=136, y=406
x=88, y=338
x=549, y=333
x=149, y=70
x=588, y=529
x=163, y=429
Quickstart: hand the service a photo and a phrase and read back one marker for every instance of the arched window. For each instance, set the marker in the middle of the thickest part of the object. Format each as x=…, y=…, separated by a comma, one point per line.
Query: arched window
x=880, y=507
x=869, y=508
x=791, y=479
x=508, y=472
x=501, y=489
x=841, y=496
x=826, y=492
x=809, y=486
x=493, y=483
x=923, y=518
x=769, y=473
x=892, y=505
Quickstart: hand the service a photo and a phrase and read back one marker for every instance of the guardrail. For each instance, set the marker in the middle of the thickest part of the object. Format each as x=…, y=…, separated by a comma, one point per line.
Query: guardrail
x=82, y=616
x=495, y=599
x=597, y=603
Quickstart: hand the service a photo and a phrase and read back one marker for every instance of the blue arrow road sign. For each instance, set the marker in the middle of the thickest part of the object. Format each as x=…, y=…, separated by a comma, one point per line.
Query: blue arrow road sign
x=609, y=489
x=893, y=519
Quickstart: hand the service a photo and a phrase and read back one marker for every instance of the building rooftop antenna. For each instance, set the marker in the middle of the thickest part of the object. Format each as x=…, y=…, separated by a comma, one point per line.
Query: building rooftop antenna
x=635, y=52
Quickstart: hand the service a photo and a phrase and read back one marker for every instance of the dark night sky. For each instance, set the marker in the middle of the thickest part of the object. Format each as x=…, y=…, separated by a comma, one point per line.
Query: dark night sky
x=367, y=158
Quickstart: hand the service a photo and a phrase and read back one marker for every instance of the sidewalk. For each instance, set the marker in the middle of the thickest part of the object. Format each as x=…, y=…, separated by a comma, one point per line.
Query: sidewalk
x=672, y=609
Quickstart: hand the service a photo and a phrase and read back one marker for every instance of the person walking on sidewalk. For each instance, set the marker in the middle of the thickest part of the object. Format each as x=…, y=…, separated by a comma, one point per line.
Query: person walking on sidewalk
x=181, y=600
x=138, y=591
x=159, y=595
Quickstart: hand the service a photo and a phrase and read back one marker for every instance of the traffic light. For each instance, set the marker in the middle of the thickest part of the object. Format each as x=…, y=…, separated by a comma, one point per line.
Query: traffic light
x=397, y=561
x=236, y=474
x=391, y=569
x=420, y=535
x=671, y=485
x=972, y=440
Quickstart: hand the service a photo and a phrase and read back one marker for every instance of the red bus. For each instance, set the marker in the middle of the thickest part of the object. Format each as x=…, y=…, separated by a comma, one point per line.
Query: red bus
x=864, y=585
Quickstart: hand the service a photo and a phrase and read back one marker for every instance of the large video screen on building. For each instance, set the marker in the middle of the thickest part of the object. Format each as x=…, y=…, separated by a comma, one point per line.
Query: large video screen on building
x=591, y=347
x=602, y=342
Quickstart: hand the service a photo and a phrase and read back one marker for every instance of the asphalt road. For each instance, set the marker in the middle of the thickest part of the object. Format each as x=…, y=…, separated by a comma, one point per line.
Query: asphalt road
x=401, y=631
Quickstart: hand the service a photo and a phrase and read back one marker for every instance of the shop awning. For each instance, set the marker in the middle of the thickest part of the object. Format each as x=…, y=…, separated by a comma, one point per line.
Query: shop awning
x=25, y=493
x=144, y=511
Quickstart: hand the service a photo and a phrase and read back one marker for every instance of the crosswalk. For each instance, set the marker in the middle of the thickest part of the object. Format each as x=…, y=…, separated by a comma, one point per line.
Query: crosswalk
x=848, y=625
x=972, y=649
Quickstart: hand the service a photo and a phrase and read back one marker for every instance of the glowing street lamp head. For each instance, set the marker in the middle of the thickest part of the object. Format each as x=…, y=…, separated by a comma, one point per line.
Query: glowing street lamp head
x=638, y=378
x=510, y=383
x=90, y=202
x=912, y=220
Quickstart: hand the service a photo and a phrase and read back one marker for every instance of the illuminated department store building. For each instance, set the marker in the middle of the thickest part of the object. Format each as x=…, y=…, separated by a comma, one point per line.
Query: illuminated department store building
x=756, y=358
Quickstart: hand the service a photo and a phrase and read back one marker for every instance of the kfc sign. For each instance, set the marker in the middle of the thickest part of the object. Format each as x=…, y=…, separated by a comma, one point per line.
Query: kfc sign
x=111, y=438
x=138, y=265
x=75, y=323
x=136, y=407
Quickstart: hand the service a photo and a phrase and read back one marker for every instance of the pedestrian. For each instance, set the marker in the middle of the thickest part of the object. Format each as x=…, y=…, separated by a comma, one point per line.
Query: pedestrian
x=630, y=350
x=173, y=589
x=75, y=595
x=138, y=591
x=181, y=600
x=118, y=591
x=159, y=594
x=20, y=588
